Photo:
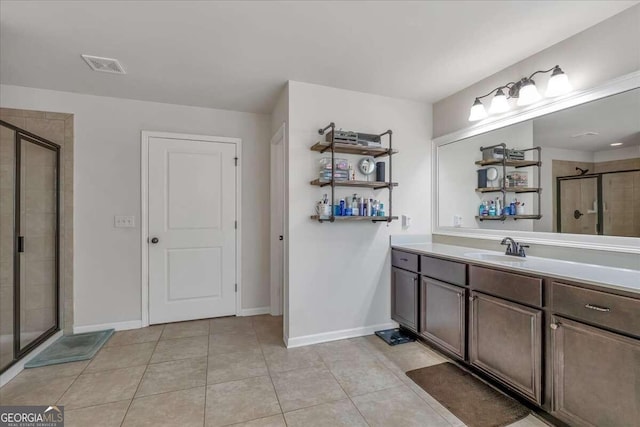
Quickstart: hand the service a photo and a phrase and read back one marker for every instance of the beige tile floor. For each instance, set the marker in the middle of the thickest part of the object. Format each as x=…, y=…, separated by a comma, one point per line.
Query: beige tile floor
x=236, y=371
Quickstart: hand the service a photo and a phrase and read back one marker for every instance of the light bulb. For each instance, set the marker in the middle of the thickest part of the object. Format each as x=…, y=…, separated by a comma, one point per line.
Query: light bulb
x=528, y=93
x=499, y=103
x=477, y=111
x=558, y=83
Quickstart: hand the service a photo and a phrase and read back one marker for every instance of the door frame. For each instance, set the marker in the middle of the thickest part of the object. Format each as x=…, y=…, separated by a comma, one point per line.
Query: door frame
x=144, y=214
x=277, y=149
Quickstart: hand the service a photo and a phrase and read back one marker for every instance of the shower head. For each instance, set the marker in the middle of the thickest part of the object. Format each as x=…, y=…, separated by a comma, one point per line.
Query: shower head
x=581, y=171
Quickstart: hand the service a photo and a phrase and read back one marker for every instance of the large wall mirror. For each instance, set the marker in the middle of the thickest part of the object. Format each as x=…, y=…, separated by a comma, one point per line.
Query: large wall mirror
x=573, y=171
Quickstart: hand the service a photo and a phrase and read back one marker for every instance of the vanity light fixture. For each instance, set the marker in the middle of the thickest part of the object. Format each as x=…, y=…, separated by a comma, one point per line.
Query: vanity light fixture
x=524, y=90
x=616, y=144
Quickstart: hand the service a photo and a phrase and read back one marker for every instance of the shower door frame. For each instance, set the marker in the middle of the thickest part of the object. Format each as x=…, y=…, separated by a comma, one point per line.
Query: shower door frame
x=23, y=135
x=598, y=176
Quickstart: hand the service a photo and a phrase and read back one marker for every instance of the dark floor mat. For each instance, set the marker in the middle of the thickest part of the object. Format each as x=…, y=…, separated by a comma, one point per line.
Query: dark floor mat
x=472, y=401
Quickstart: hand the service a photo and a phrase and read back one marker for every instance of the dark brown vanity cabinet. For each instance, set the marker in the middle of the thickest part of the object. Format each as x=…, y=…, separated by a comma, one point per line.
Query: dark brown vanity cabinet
x=596, y=375
x=404, y=298
x=442, y=315
x=506, y=342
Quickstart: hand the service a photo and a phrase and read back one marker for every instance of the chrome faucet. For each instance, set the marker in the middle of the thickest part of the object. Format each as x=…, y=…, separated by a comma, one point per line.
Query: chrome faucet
x=514, y=248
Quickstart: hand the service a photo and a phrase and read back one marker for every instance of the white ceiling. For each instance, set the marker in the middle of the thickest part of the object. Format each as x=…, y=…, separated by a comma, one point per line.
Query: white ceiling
x=238, y=55
x=614, y=119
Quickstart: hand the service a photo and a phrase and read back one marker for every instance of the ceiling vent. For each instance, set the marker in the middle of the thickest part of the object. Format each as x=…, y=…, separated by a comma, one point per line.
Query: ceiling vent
x=106, y=65
x=588, y=133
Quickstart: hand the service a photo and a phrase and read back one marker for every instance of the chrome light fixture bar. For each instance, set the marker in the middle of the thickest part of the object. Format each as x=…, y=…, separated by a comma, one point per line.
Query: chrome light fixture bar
x=524, y=91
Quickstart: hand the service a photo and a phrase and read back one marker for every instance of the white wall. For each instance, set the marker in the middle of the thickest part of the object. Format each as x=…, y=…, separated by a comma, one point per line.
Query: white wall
x=607, y=50
x=458, y=178
x=617, y=154
x=279, y=116
x=339, y=274
x=107, y=263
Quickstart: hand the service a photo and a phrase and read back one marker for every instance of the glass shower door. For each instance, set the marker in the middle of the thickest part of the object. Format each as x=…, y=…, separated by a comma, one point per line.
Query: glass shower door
x=7, y=196
x=29, y=218
x=37, y=229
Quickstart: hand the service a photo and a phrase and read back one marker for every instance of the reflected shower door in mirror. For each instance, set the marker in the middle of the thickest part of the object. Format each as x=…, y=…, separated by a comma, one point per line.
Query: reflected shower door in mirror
x=578, y=206
x=588, y=181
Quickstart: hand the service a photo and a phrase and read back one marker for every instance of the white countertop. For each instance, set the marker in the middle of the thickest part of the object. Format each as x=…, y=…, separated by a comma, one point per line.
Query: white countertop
x=609, y=277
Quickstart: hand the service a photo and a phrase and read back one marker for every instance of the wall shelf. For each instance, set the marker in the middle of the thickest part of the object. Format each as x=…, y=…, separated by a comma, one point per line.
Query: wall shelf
x=334, y=147
x=354, y=218
x=343, y=148
x=504, y=162
x=376, y=185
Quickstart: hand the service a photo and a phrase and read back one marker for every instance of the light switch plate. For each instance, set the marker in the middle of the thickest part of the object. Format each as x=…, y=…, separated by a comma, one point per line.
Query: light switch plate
x=123, y=221
x=406, y=221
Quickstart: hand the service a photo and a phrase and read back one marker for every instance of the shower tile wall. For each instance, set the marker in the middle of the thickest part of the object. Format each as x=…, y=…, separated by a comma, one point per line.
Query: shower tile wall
x=56, y=127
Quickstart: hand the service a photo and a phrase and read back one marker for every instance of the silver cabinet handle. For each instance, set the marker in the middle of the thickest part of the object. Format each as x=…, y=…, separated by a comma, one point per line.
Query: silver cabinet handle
x=554, y=326
x=597, y=308
x=472, y=298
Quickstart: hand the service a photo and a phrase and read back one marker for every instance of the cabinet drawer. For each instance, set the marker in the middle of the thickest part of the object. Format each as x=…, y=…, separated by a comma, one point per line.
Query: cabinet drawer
x=404, y=260
x=447, y=271
x=524, y=289
x=612, y=311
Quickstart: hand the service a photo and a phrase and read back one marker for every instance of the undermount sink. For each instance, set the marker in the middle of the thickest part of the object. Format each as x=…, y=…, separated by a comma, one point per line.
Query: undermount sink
x=483, y=256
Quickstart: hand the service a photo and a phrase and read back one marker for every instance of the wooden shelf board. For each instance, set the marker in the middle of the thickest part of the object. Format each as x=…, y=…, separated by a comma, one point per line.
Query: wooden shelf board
x=513, y=163
x=489, y=189
x=351, y=149
x=505, y=217
x=364, y=184
x=491, y=218
x=508, y=189
x=527, y=216
x=355, y=218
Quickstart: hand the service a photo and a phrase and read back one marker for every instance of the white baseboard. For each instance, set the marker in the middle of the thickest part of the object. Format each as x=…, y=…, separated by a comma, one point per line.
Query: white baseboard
x=292, y=342
x=14, y=370
x=255, y=311
x=118, y=326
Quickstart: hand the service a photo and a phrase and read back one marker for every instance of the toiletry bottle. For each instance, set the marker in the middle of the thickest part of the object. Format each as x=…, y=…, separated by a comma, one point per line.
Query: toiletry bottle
x=381, y=210
x=342, y=207
x=498, y=206
x=352, y=174
x=492, y=209
x=481, y=209
x=354, y=205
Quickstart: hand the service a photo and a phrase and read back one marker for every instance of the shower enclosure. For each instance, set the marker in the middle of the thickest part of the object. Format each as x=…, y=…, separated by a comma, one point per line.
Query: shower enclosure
x=606, y=203
x=29, y=247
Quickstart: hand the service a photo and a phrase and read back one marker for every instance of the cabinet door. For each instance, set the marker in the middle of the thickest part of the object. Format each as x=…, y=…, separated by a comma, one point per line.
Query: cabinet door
x=506, y=343
x=596, y=375
x=404, y=298
x=442, y=315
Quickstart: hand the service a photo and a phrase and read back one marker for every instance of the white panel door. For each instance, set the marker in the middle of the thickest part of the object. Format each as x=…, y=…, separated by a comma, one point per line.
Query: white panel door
x=192, y=233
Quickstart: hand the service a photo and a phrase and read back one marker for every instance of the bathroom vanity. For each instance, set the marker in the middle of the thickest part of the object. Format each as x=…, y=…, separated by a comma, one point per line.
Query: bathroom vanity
x=563, y=335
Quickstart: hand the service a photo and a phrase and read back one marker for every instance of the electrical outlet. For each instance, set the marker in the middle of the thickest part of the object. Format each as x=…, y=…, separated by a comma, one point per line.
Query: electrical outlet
x=122, y=221
x=457, y=221
x=406, y=221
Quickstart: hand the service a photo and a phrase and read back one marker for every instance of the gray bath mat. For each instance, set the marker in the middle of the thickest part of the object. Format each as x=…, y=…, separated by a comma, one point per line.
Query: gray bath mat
x=71, y=348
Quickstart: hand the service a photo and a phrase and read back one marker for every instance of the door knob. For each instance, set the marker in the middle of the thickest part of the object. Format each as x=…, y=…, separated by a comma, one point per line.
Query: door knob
x=154, y=240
